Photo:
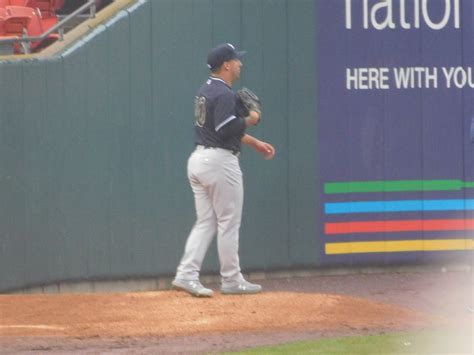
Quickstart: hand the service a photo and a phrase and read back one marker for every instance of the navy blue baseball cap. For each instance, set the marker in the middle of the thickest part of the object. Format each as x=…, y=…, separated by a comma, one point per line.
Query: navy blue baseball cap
x=222, y=53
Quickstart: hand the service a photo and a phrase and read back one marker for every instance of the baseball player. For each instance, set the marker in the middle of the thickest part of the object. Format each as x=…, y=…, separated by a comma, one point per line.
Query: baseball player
x=215, y=176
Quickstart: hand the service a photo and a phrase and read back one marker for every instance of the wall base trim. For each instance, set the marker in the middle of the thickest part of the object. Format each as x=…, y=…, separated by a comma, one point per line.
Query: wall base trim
x=164, y=283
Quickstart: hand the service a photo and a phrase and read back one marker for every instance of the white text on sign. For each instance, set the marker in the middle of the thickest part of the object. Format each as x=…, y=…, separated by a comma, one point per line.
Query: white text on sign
x=409, y=78
x=413, y=14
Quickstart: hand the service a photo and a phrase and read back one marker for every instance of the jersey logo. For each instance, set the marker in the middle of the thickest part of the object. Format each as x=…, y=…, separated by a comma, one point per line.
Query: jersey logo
x=200, y=110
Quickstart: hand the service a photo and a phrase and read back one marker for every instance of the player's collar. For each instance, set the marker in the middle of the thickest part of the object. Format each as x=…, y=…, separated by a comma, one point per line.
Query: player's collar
x=218, y=79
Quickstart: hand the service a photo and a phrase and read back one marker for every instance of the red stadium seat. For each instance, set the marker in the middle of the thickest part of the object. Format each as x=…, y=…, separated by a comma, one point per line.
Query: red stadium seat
x=4, y=3
x=19, y=20
x=3, y=15
x=30, y=17
x=43, y=5
x=6, y=48
x=48, y=8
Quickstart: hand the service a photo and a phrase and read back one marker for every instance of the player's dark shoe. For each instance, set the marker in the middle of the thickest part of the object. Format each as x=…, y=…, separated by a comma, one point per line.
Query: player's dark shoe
x=195, y=288
x=242, y=288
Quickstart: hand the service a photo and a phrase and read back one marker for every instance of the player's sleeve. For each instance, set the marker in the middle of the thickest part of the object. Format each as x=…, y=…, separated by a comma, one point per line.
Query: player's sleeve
x=226, y=122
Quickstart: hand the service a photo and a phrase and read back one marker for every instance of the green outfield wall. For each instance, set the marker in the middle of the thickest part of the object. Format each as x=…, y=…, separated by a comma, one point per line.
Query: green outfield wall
x=94, y=144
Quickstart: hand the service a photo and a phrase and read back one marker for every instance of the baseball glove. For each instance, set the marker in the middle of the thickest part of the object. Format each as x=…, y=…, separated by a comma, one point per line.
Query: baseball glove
x=248, y=101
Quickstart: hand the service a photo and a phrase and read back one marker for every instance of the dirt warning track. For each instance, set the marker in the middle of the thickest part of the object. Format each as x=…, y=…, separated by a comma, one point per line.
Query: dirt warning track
x=173, y=313
x=289, y=309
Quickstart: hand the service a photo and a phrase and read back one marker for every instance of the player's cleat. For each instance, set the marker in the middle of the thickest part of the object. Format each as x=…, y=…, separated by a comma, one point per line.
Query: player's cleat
x=242, y=288
x=195, y=288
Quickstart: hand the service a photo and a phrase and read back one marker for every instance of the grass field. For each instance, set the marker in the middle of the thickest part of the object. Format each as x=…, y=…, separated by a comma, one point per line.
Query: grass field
x=426, y=342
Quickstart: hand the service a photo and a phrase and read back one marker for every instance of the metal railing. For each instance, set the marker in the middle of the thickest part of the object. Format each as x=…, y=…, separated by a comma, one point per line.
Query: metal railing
x=59, y=27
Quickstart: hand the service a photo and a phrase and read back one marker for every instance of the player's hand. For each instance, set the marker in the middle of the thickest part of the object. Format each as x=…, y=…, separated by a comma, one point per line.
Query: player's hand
x=266, y=149
x=252, y=119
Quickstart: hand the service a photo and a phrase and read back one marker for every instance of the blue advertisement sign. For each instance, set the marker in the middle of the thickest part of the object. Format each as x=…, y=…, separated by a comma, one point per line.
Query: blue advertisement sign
x=395, y=104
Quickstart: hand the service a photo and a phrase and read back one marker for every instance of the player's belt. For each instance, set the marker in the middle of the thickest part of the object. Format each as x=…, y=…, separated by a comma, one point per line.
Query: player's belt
x=234, y=152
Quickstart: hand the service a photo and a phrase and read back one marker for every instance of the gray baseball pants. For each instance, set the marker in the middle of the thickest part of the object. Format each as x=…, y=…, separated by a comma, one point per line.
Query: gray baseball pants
x=216, y=181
